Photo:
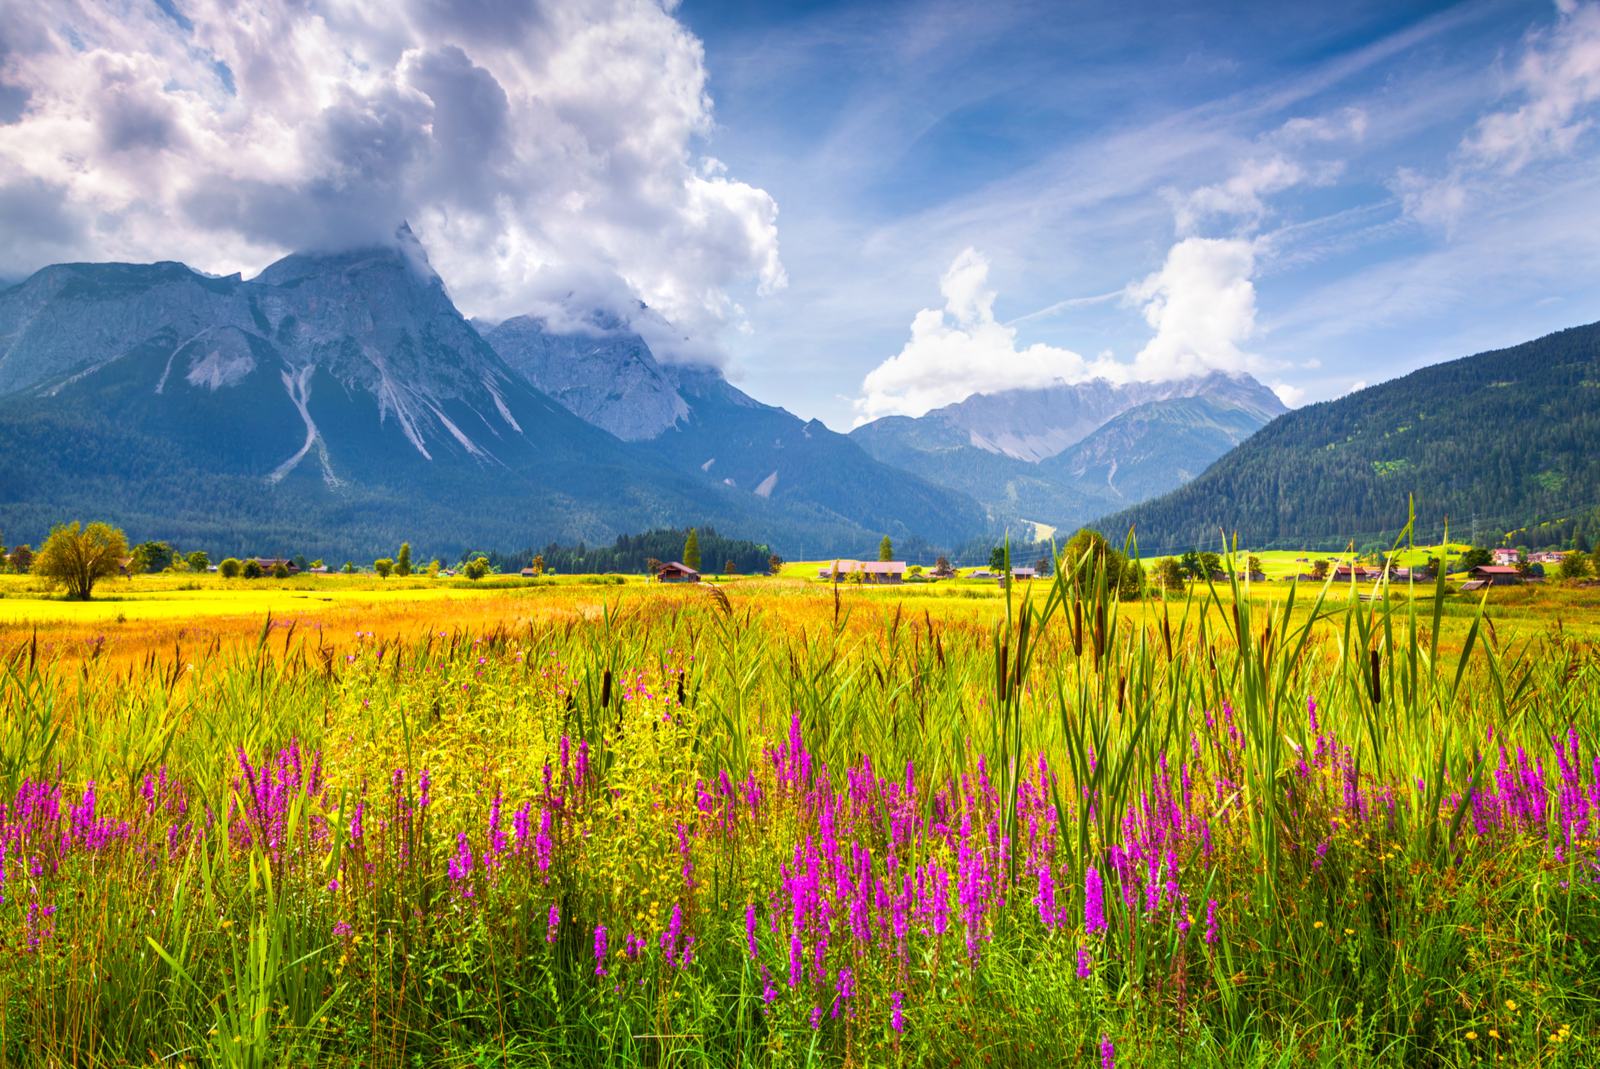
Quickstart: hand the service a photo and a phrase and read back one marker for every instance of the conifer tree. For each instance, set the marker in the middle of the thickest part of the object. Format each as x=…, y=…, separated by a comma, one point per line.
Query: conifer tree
x=402, y=560
x=691, y=550
x=886, y=549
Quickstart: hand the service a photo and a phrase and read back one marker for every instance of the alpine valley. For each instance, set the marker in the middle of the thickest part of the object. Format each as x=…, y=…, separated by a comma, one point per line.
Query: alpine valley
x=336, y=405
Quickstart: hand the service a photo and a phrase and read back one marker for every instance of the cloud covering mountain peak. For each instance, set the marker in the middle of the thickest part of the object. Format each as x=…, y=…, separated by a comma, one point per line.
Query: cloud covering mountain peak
x=524, y=141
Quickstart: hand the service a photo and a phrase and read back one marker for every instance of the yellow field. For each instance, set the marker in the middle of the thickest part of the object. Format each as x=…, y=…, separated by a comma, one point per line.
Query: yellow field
x=129, y=619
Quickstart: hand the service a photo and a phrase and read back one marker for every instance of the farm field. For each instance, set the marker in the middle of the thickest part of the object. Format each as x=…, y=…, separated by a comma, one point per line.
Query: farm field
x=750, y=824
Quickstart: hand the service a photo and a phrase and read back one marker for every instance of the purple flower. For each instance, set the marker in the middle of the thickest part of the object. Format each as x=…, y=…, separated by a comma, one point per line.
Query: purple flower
x=897, y=1017
x=553, y=924
x=600, y=950
x=1211, y=922
x=1084, y=962
x=1094, y=902
x=750, y=927
x=1108, y=1052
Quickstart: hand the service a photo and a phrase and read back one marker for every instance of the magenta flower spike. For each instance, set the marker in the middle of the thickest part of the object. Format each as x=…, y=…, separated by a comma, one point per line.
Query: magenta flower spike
x=1108, y=1052
x=600, y=950
x=1094, y=902
x=552, y=924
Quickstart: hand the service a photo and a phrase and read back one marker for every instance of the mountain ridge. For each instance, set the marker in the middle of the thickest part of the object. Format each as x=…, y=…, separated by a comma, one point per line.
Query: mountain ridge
x=1510, y=434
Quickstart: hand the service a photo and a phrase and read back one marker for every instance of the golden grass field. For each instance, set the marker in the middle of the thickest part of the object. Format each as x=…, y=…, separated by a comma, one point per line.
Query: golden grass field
x=130, y=618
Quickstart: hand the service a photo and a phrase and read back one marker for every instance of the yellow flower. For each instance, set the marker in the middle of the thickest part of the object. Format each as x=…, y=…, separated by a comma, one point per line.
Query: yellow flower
x=1349, y=931
x=1510, y=1005
x=1472, y=1035
x=1493, y=1034
x=1317, y=925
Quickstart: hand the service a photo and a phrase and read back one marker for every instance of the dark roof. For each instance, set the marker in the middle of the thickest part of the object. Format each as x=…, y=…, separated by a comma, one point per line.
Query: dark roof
x=677, y=566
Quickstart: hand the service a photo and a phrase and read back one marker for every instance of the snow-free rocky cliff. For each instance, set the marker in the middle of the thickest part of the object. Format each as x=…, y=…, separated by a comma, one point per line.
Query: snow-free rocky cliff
x=342, y=401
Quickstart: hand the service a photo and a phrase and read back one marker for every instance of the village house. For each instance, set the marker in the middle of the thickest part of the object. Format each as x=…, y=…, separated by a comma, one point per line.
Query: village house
x=1546, y=557
x=1505, y=556
x=1492, y=575
x=675, y=572
x=871, y=571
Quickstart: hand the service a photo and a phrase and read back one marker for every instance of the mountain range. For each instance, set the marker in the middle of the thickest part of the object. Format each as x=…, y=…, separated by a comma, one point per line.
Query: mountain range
x=1490, y=442
x=1063, y=455
x=337, y=404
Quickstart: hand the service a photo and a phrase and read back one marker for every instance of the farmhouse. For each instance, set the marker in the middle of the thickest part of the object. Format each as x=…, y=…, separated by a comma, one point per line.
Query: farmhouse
x=1505, y=556
x=674, y=572
x=875, y=571
x=1493, y=575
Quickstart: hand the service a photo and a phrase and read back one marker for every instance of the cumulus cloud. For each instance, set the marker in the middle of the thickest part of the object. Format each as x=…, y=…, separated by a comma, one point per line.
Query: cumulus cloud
x=524, y=140
x=1202, y=304
x=962, y=350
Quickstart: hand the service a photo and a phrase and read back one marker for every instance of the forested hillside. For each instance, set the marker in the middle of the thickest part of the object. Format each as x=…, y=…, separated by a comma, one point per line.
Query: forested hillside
x=1501, y=439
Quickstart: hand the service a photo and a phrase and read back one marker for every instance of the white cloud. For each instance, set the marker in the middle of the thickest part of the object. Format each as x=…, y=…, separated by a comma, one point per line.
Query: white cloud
x=1560, y=76
x=524, y=142
x=1239, y=195
x=1557, y=80
x=1291, y=396
x=1202, y=304
x=962, y=350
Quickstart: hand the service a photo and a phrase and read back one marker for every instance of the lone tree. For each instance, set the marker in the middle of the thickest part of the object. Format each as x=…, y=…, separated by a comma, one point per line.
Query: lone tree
x=77, y=559
x=774, y=564
x=477, y=568
x=21, y=558
x=691, y=550
x=230, y=568
x=886, y=549
x=383, y=566
x=730, y=568
x=402, y=560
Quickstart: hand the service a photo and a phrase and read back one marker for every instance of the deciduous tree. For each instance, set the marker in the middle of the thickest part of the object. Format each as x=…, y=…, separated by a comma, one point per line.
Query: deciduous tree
x=383, y=566
x=78, y=558
x=252, y=569
x=230, y=568
x=402, y=560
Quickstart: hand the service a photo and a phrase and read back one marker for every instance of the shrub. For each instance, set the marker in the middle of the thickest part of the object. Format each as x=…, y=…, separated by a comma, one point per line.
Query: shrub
x=230, y=568
x=252, y=569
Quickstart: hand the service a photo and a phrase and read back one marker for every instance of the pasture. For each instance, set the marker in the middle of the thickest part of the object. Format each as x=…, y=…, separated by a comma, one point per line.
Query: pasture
x=771, y=823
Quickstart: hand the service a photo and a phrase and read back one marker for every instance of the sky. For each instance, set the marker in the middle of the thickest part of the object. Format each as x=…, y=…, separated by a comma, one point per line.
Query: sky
x=856, y=209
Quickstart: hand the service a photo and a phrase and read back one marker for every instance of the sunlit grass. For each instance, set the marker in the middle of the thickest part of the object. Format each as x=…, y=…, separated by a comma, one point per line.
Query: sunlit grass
x=339, y=839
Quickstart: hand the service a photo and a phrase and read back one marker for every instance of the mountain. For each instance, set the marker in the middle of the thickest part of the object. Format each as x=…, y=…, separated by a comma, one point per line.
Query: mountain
x=691, y=418
x=332, y=406
x=1490, y=441
x=1066, y=454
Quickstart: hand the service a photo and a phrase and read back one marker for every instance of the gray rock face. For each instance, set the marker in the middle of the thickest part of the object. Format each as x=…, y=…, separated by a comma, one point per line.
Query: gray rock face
x=606, y=374
x=1034, y=424
x=1067, y=454
x=377, y=321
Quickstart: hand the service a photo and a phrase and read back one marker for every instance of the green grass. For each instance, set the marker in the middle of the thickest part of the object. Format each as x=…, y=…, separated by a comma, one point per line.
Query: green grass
x=194, y=916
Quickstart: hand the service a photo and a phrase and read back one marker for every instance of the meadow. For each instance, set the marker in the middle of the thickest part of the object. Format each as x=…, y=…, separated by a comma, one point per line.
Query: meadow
x=772, y=823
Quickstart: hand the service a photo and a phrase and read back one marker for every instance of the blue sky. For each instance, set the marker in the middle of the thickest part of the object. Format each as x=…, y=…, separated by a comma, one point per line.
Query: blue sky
x=1060, y=141
x=857, y=209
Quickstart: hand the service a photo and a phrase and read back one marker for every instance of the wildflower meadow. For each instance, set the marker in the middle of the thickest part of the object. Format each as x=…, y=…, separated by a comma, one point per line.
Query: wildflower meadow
x=686, y=829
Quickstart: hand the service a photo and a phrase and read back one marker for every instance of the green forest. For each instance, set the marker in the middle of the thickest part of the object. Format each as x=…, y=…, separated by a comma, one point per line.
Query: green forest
x=1498, y=443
